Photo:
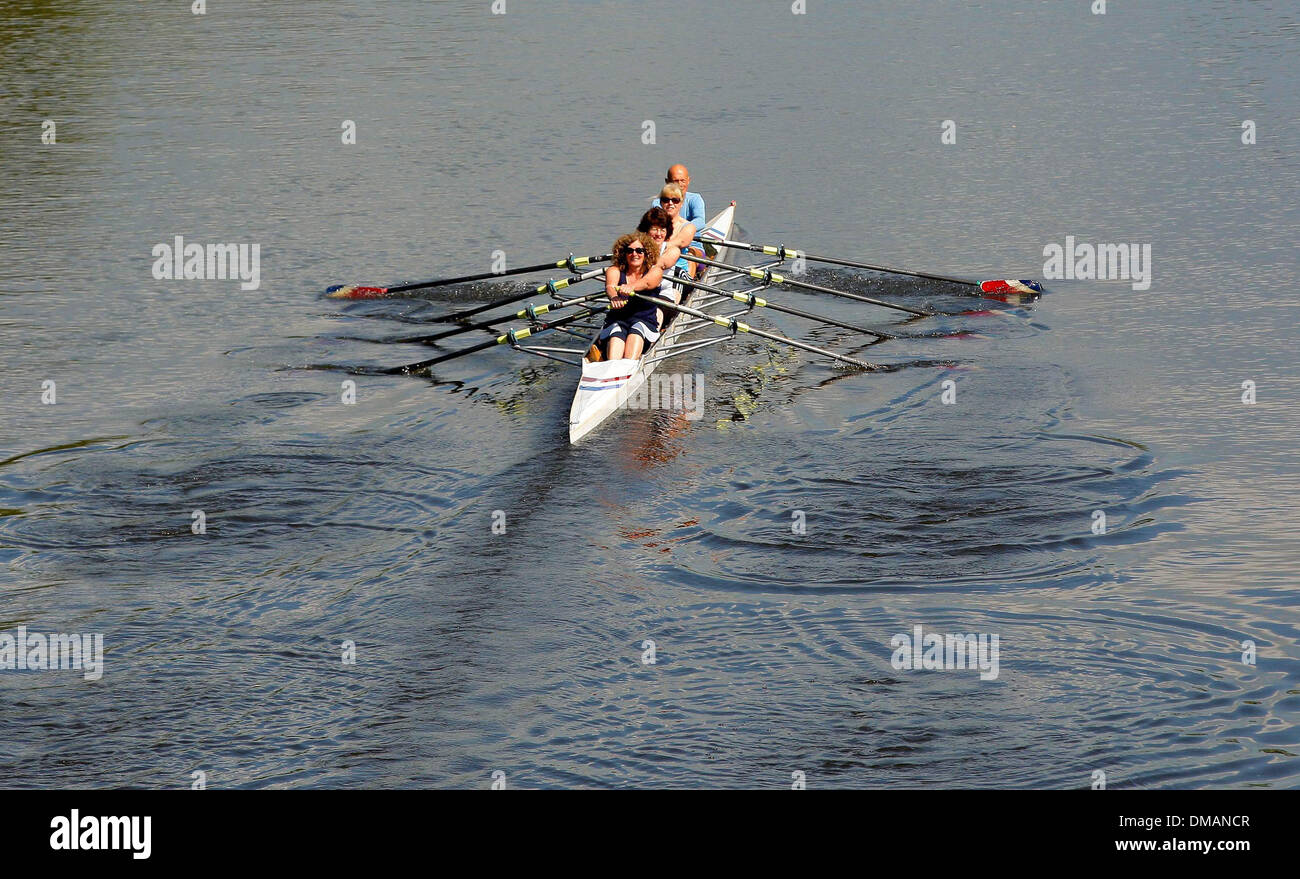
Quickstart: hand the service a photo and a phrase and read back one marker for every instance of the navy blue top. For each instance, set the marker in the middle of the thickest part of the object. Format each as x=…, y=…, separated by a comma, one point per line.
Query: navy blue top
x=635, y=310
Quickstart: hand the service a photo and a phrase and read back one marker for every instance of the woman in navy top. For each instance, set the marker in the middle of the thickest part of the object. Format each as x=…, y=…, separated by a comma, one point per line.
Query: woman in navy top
x=631, y=323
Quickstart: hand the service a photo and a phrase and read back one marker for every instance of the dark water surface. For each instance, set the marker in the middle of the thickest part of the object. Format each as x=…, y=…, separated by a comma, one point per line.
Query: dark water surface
x=522, y=651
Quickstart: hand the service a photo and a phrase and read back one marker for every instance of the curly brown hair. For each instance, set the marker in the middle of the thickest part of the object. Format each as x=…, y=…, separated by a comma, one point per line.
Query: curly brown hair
x=620, y=249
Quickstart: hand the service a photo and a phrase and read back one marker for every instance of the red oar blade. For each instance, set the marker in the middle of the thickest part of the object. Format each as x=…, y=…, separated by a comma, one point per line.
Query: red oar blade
x=354, y=291
x=1023, y=286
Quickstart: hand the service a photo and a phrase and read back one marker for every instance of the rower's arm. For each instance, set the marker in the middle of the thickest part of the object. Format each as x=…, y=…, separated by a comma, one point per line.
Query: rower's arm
x=684, y=235
x=649, y=281
x=698, y=214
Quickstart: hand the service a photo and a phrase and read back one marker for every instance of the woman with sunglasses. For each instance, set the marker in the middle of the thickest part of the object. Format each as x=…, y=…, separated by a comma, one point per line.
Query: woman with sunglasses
x=670, y=199
x=683, y=231
x=631, y=323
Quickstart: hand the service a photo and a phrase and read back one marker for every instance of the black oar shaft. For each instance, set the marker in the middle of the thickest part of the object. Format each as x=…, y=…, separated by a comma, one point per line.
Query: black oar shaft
x=530, y=312
x=740, y=327
x=508, y=338
x=513, y=298
x=893, y=271
x=487, y=276
x=771, y=277
x=488, y=324
x=758, y=302
x=792, y=253
x=363, y=291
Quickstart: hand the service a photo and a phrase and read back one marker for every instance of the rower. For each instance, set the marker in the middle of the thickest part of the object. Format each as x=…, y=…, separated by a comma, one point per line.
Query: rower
x=692, y=210
x=657, y=224
x=631, y=323
x=692, y=203
x=683, y=231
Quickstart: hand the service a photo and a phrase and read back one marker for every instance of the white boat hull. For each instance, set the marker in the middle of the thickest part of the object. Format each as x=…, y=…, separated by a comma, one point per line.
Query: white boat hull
x=606, y=385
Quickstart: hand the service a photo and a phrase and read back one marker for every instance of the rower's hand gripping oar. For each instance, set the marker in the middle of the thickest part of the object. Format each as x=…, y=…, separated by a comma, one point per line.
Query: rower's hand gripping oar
x=356, y=291
x=1003, y=286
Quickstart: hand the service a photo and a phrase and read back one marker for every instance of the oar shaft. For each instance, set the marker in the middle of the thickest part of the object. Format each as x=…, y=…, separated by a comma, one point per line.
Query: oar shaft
x=508, y=338
x=774, y=278
x=525, y=313
x=361, y=291
x=550, y=286
x=758, y=302
x=740, y=327
x=487, y=276
x=791, y=253
x=893, y=271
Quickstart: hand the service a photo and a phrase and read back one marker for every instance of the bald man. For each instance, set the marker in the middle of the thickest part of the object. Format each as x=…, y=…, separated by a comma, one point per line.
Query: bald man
x=692, y=208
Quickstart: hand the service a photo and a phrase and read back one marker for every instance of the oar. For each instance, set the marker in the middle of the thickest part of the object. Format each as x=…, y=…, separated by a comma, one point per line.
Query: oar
x=356, y=291
x=530, y=312
x=510, y=338
x=771, y=277
x=549, y=286
x=740, y=327
x=1022, y=285
x=757, y=302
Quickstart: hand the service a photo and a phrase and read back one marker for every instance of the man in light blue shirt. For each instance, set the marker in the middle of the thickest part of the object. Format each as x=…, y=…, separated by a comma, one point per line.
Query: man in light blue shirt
x=692, y=207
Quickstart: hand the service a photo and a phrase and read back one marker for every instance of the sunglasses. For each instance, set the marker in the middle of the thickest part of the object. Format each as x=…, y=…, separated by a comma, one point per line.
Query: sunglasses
x=670, y=200
x=634, y=250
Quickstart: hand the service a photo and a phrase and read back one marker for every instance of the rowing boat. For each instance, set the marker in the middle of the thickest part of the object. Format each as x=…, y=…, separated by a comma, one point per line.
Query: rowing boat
x=607, y=385
x=707, y=304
